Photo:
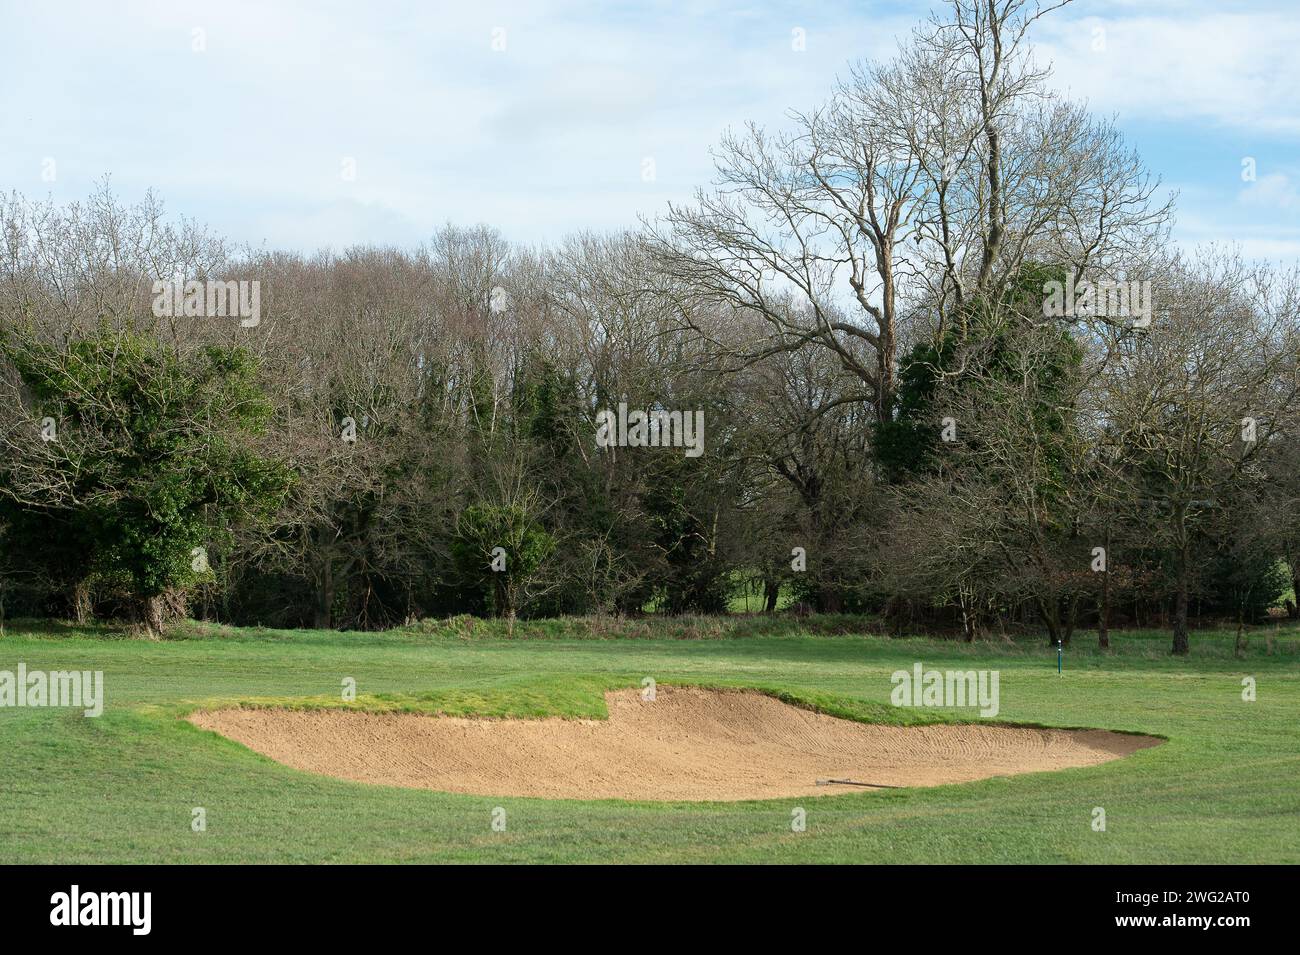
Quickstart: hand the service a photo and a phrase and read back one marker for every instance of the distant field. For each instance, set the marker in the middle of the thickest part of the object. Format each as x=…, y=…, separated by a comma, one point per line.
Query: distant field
x=121, y=788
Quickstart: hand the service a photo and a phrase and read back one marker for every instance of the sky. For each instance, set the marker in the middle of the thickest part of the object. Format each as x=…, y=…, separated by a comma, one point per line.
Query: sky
x=330, y=124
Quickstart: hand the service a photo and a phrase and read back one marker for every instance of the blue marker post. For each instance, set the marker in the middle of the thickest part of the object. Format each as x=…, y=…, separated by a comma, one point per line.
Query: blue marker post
x=1058, y=657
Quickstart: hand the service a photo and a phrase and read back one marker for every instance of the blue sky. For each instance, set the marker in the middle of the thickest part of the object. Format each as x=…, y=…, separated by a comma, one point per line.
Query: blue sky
x=245, y=115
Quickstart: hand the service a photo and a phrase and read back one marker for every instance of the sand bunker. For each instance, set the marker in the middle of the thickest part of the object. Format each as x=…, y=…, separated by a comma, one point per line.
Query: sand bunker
x=689, y=744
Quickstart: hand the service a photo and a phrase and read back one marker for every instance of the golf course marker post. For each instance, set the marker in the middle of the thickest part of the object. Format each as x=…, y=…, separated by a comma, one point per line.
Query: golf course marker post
x=1059, y=646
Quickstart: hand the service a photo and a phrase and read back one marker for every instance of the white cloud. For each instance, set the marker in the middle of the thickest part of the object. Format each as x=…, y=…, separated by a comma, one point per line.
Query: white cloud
x=249, y=133
x=548, y=136
x=1238, y=69
x=1273, y=191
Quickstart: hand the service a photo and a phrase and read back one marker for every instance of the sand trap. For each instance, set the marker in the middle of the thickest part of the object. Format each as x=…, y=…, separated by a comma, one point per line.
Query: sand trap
x=689, y=744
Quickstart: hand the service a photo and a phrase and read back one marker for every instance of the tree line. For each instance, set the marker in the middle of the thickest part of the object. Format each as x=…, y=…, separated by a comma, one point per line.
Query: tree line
x=949, y=368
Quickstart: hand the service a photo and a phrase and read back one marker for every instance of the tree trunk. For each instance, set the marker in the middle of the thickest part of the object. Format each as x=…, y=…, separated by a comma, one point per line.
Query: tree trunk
x=154, y=615
x=325, y=597
x=158, y=611
x=1181, y=646
x=1184, y=572
x=1071, y=619
x=771, y=593
x=1103, y=614
x=1050, y=612
x=81, y=605
x=885, y=345
x=968, y=621
x=1240, y=647
x=504, y=607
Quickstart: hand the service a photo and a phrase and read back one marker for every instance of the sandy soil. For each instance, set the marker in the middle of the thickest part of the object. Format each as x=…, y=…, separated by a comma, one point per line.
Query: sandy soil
x=689, y=744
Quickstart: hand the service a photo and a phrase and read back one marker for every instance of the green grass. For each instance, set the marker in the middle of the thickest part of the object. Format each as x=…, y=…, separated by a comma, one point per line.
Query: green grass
x=120, y=788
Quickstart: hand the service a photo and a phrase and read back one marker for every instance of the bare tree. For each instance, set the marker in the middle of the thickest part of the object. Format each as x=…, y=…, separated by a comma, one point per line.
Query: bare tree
x=1196, y=399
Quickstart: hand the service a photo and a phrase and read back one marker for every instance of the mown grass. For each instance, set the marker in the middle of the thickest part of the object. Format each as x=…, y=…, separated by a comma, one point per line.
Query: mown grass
x=121, y=788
